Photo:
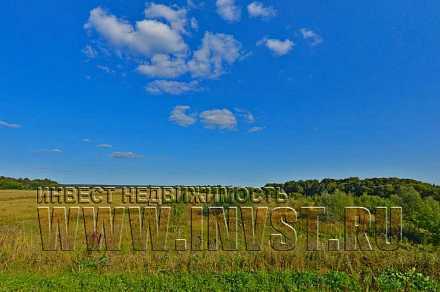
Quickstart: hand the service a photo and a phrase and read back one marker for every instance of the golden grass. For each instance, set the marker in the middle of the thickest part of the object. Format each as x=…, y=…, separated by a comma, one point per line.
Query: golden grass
x=20, y=250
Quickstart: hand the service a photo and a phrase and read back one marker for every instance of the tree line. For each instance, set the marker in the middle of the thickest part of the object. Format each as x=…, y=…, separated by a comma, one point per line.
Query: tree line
x=24, y=183
x=381, y=187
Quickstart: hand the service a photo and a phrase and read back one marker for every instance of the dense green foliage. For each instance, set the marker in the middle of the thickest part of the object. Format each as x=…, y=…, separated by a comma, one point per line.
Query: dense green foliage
x=382, y=187
x=420, y=201
x=233, y=281
x=9, y=183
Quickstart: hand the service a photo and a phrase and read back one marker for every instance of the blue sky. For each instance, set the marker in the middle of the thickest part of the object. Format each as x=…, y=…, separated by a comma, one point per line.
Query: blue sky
x=219, y=92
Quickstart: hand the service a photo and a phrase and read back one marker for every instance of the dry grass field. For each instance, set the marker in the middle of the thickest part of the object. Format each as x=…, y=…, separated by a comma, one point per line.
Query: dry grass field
x=22, y=258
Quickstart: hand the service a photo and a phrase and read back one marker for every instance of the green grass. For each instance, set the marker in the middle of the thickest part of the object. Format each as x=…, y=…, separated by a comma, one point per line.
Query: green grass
x=233, y=281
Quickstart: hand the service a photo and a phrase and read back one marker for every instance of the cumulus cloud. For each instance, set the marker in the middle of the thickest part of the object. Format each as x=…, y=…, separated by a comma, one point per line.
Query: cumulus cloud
x=157, y=47
x=104, y=146
x=311, y=36
x=125, y=155
x=255, y=129
x=4, y=124
x=213, y=118
x=257, y=9
x=216, y=51
x=175, y=17
x=218, y=119
x=172, y=87
x=180, y=116
x=163, y=66
x=148, y=37
x=228, y=10
x=278, y=47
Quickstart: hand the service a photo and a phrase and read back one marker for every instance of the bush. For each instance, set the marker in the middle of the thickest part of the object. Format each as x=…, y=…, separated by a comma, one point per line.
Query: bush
x=392, y=280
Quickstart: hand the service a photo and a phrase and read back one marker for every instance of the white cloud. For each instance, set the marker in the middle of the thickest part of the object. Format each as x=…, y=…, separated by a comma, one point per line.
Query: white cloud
x=278, y=47
x=228, y=10
x=175, y=17
x=209, y=61
x=56, y=150
x=218, y=119
x=90, y=52
x=311, y=36
x=147, y=37
x=246, y=115
x=213, y=118
x=163, y=66
x=86, y=140
x=125, y=155
x=4, y=124
x=53, y=150
x=157, y=47
x=257, y=9
x=104, y=146
x=179, y=116
x=255, y=129
x=216, y=51
x=172, y=87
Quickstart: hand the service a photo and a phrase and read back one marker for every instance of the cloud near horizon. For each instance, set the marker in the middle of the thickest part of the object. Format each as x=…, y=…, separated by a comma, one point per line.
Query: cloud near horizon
x=53, y=150
x=4, y=124
x=125, y=155
x=255, y=129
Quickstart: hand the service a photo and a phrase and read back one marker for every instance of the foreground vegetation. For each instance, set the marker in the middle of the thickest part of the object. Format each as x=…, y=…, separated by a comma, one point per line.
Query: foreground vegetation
x=232, y=281
x=413, y=267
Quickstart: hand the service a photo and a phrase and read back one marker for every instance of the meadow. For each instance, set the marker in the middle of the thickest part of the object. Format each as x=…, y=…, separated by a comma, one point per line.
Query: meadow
x=24, y=266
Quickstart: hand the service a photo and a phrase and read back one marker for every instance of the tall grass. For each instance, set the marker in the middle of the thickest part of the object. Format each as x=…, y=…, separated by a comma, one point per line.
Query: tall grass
x=21, y=255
